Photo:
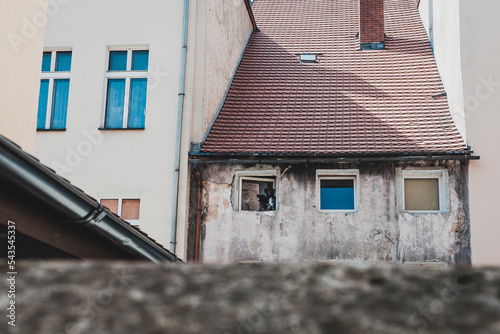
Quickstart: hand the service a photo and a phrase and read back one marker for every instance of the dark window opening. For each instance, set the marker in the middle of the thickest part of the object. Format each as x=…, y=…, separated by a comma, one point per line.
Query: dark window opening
x=258, y=194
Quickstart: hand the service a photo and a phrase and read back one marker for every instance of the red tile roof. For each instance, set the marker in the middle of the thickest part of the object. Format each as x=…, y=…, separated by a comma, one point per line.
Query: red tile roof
x=351, y=101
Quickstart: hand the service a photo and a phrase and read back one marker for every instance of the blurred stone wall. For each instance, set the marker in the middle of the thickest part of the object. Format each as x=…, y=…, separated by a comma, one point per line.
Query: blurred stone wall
x=100, y=298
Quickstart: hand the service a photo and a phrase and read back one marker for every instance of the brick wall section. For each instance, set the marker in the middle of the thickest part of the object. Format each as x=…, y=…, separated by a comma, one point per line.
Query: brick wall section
x=371, y=21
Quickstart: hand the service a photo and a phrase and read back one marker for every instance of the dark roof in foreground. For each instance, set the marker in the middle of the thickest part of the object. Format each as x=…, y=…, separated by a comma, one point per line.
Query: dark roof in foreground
x=25, y=173
x=351, y=101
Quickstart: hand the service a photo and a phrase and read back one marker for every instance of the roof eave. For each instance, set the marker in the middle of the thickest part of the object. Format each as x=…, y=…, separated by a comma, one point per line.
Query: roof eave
x=27, y=173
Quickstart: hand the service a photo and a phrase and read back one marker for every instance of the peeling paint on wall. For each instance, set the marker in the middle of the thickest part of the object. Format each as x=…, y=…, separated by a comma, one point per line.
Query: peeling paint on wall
x=379, y=231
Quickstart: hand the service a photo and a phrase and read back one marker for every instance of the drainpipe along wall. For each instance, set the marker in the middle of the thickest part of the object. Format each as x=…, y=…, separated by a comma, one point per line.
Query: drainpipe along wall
x=173, y=238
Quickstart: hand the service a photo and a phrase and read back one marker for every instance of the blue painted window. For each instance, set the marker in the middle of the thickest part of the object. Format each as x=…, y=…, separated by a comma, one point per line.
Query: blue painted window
x=60, y=103
x=42, y=104
x=63, y=61
x=47, y=57
x=54, y=90
x=118, y=60
x=140, y=60
x=337, y=194
x=137, y=111
x=114, y=103
x=126, y=89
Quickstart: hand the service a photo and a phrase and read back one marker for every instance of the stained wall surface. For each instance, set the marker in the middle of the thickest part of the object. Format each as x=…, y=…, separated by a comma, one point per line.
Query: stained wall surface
x=379, y=231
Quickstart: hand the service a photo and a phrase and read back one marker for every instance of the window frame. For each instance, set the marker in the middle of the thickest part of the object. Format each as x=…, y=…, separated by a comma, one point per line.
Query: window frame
x=53, y=75
x=133, y=222
x=438, y=174
x=338, y=174
x=258, y=175
x=128, y=74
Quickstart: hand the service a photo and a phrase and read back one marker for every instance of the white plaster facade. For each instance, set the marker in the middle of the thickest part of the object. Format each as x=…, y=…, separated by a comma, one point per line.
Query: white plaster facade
x=139, y=163
x=465, y=36
x=22, y=26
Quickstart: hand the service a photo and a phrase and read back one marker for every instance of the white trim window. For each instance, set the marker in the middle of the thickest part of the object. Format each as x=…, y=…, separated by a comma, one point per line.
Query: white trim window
x=54, y=90
x=127, y=209
x=126, y=89
x=424, y=191
x=338, y=190
x=256, y=190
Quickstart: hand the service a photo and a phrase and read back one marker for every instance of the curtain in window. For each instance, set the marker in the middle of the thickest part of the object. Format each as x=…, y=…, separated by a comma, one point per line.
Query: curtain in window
x=60, y=103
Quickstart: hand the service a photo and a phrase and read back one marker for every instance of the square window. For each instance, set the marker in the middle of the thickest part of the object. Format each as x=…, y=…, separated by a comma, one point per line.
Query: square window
x=125, y=208
x=126, y=89
x=421, y=194
x=54, y=90
x=423, y=190
x=338, y=190
x=256, y=191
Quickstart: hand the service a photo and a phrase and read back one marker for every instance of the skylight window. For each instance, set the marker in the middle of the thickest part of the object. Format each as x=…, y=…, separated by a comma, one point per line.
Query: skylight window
x=308, y=57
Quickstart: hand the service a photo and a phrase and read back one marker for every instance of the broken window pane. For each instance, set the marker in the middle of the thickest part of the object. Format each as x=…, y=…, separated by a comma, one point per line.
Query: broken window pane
x=337, y=194
x=422, y=194
x=258, y=194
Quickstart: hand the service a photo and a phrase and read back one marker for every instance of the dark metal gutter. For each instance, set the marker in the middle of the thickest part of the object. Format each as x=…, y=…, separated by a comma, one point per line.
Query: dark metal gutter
x=29, y=175
x=283, y=158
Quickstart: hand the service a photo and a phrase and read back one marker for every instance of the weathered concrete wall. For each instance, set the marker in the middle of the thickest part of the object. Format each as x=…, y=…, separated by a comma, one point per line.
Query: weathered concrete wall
x=380, y=231
x=145, y=298
x=217, y=35
x=228, y=28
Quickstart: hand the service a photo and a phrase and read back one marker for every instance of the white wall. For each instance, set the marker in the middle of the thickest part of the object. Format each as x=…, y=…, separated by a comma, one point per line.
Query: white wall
x=466, y=44
x=22, y=25
x=441, y=21
x=121, y=163
x=480, y=50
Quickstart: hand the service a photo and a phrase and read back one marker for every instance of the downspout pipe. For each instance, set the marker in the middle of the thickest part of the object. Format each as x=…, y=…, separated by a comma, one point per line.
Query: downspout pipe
x=198, y=220
x=173, y=234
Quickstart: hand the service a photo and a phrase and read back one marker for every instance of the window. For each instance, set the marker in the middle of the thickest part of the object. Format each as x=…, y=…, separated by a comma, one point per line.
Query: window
x=309, y=57
x=256, y=191
x=125, y=208
x=54, y=90
x=423, y=190
x=126, y=87
x=338, y=190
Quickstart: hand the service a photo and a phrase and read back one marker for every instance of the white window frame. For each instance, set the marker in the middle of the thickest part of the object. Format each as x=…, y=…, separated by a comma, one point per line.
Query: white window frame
x=133, y=222
x=337, y=174
x=438, y=174
x=51, y=76
x=258, y=175
x=127, y=75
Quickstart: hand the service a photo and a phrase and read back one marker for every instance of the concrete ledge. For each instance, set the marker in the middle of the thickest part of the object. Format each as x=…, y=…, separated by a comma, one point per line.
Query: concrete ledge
x=55, y=298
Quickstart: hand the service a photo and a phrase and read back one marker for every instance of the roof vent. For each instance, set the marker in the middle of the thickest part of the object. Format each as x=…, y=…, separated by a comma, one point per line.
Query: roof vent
x=371, y=24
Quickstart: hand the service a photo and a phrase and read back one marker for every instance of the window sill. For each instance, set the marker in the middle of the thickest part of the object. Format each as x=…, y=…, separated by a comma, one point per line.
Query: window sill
x=49, y=130
x=115, y=129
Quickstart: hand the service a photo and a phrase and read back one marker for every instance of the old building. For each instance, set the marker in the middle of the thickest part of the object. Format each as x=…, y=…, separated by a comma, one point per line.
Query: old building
x=464, y=35
x=334, y=142
x=122, y=90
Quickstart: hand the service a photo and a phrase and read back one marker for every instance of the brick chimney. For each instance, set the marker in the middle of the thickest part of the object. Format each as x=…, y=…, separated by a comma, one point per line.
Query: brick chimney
x=371, y=24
